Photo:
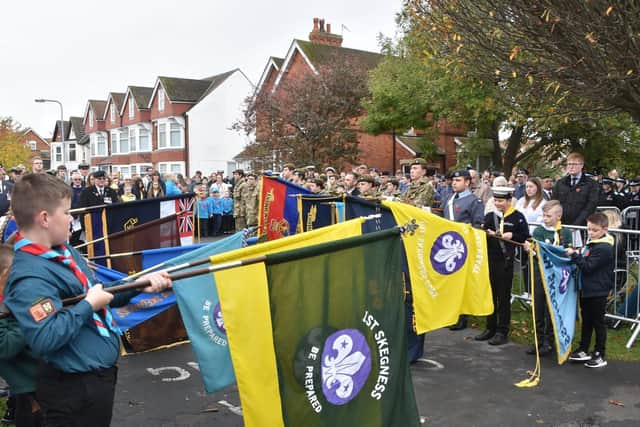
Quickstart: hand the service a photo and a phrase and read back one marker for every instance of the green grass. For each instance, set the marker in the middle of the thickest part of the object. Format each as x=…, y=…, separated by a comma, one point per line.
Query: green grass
x=522, y=333
x=3, y=406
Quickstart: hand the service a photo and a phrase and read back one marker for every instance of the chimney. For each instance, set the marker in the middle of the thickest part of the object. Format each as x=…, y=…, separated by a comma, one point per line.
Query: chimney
x=320, y=36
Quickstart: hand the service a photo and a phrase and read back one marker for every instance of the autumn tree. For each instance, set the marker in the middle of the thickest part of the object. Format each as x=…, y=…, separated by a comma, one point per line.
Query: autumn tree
x=309, y=120
x=13, y=150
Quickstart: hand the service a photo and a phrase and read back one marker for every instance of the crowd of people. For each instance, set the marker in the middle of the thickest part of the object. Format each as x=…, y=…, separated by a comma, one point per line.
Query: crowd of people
x=78, y=352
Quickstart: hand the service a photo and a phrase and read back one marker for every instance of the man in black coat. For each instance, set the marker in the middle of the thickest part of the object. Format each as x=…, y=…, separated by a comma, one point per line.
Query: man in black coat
x=577, y=193
x=98, y=194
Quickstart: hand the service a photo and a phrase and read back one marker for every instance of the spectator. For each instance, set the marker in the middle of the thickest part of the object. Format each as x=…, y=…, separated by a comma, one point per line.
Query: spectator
x=532, y=202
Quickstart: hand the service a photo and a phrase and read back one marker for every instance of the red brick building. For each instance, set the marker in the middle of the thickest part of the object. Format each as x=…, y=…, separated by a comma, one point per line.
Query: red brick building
x=385, y=151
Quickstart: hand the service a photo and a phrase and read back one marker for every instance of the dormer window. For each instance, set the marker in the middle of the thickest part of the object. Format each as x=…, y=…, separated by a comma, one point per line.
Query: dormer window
x=132, y=105
x=90, y=118
x=113, y=114
x=160, y=99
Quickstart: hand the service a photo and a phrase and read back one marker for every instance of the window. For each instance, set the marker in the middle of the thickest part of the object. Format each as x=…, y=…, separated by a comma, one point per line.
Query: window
x=112, y=113
x=33, y=145
x=171, y=167
x=162, y=135
x=115, y=143
x=124, y=141
x=134, y=170
x=132, y=141
x=144, y=143
x=58, y=153
x=101, y=146
x=176, y=135
x=132, y=105
x=90, y=118
x=71, y=152
x=124, y=172
x=160, y=99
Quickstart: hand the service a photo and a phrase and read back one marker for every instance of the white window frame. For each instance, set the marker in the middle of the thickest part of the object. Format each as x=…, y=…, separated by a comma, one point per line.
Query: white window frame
x=160, y=99
x=72, y=153
x=133, y=140
x=171, y=167
x=57, y=153
x=112, y=113
x=100, y=141
x=168, y=124
x=115, y=141
x=139, y=139
x=123, y=132
x=33, y=145
x=180, y=132
x=162, y=144
x=140, y=167
x=91, y=118
x=132, y=104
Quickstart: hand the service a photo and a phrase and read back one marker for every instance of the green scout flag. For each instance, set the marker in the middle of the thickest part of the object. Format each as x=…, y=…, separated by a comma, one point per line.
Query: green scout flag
x=332, y=346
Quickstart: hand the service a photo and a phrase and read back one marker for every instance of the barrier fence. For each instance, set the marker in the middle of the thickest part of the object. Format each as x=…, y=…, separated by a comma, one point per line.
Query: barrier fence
x=624, y=301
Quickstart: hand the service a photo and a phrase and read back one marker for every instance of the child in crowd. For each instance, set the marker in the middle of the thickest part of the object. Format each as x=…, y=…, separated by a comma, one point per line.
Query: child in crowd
x=596, y=264
x=78, y=344
x=227, y=213
x=215, y=211
x=551, y=232
x=17, y=366
x=127, y=195
x=202, y=211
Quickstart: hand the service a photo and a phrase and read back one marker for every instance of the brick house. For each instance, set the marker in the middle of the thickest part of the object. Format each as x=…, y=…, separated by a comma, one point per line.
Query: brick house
x=384, y=151
x=38, y=145
x=179, y=125
x=75, y=153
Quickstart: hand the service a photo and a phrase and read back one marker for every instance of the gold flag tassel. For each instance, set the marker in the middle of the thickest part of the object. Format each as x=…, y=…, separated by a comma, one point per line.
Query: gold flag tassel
x=534, y=376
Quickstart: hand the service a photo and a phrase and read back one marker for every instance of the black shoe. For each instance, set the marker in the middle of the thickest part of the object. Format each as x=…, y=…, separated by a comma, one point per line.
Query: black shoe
x=485, y=335
x=543, y=350
x=498, y=339
x=460, y=325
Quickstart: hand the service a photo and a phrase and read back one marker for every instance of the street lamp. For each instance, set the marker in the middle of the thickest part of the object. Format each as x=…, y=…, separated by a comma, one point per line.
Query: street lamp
x=62, y=149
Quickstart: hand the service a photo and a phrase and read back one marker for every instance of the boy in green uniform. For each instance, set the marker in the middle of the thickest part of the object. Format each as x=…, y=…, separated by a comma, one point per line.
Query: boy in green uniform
x=551, y=232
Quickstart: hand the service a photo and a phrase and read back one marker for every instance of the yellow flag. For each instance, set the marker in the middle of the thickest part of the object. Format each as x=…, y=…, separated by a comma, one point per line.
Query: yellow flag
x=448, y=268
x=243, y=292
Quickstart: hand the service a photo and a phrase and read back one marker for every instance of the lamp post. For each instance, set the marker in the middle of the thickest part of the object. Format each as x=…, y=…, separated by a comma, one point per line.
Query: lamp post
x=62, y=148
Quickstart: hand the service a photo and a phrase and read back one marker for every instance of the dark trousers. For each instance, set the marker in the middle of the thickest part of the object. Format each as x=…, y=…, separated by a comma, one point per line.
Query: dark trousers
x=593, y=310
x=203, y=227
x=28, y=412
x=76, y=400
x=501, y=276
x=215, y=224
x=544, y=327
x=227, y=223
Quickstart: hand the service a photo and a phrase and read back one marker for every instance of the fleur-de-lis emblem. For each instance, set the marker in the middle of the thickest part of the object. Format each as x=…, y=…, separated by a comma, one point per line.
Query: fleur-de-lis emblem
x=345, y=366
x=449, y=253
x=217, y=318
x=566, y=275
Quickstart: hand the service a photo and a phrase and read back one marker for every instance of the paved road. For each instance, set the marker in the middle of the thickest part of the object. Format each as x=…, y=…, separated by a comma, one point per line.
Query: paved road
x=463, y=383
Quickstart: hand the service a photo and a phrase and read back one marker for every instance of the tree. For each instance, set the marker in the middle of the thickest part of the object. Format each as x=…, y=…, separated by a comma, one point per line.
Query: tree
x=312, y=119
x=588, y=49
x=13, y=150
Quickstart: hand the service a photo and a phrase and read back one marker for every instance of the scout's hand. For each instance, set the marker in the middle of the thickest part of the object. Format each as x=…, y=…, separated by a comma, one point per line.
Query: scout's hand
x=570, y=251
x=98, y=297
x=491, y=232
x=508, y=235
x=158, y=281
x=527, y=246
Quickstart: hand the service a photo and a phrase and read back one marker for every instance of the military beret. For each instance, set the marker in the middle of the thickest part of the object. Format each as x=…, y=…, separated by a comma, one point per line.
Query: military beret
x=366, y=178
x=608, y=181
x=310, y=167
x=251, y=174
x=502, y=192
x=419, y=161
x=62, y=167
x=99, y=174
x=461, y=173
x=385, y=173
x=239, y=172
x=289, y=166
x=363, y=167
x=523, y=172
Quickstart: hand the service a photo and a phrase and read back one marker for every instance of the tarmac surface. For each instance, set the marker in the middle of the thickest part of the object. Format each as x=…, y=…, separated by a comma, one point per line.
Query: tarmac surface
x=460, y=382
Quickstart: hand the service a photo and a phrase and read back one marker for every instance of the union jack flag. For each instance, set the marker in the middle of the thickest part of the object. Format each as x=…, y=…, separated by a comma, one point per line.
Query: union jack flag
x=185, y=219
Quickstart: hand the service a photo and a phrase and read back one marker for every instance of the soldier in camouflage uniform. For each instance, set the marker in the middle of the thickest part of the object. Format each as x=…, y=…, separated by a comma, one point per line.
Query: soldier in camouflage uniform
x=366, y=187
x=250, y=198
x=420, y=192
x=239, y=213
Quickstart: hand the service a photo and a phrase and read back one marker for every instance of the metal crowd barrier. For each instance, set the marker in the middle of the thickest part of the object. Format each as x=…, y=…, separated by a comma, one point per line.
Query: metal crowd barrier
x=624, y=302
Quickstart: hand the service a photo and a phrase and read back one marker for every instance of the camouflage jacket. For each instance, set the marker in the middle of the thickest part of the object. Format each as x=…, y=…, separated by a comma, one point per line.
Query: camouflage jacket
x=420, y=193
x=238, y=204
x=250, y=198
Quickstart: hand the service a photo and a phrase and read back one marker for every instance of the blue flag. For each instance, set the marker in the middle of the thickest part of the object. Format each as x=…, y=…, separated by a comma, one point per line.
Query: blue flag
x=200, y=310
x=560, y=287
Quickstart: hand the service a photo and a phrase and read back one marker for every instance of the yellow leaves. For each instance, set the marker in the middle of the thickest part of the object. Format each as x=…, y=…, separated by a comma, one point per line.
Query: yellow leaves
x=530, y=79
x=459, y=47
x=555, y=91
x=497, y=72
x=590, y=38
x=609, y=10
x=546, y=15
x=629, y=72
x=514, y=74
x=491, y=13
x=514, y=52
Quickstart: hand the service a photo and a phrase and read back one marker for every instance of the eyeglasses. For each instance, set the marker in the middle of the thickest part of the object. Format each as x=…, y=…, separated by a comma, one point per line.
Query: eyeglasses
x=574, y=164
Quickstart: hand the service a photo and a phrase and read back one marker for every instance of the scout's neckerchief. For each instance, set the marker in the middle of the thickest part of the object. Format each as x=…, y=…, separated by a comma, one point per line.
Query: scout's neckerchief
x=500, y=227
x=607, y=238
x=65, y=258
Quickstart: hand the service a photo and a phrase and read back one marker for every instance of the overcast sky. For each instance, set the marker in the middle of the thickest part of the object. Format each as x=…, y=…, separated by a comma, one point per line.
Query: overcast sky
x=73, y=50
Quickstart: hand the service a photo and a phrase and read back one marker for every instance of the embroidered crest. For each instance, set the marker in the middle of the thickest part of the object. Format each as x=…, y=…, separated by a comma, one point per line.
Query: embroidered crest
x=42, y=309
x=449, y=253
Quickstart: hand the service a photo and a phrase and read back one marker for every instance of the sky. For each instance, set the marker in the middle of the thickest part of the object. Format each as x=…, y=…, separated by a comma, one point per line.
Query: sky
x=73, y=51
